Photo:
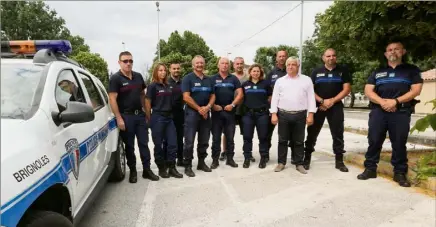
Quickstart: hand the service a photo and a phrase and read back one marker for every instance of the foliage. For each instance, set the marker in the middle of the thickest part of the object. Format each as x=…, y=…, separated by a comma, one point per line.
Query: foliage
x=426, y=166
x=34, y=20
x=312, y=57
x=95, y=64
x=266, y=56
x=428, y=121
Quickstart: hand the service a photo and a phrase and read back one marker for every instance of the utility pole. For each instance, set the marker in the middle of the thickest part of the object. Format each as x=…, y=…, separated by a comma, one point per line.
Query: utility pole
x=158, y=35
x=301, y=38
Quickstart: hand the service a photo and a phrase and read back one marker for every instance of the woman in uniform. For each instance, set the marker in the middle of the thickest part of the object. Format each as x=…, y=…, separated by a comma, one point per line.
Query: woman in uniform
x=257, y=95
x=159, y=102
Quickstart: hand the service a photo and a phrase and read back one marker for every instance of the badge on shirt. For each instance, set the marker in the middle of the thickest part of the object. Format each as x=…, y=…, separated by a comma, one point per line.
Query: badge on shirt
x=330, y=75
x=274, y=76
x=197, y=84
x=391, y=74
x=320, y=74
x=254, y=87
x=125, y=84
x=160, y=91
x=219, y=81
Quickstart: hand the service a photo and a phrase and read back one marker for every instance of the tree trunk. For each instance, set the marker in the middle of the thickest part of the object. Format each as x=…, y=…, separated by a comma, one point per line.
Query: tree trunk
x=353, y=97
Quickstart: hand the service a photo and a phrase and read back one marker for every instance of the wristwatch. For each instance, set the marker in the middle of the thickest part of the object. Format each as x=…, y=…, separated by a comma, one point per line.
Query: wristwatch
x=398, y=102
x=233, y=105
x=322, y=101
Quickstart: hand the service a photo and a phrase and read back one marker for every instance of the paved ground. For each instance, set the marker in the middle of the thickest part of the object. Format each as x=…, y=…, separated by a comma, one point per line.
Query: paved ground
x=260, y=197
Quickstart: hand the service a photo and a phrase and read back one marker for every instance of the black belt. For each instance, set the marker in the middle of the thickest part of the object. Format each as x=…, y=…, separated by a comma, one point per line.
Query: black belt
x=135, y=112
x=291, y=111
x=164, y=113
x=257, y=110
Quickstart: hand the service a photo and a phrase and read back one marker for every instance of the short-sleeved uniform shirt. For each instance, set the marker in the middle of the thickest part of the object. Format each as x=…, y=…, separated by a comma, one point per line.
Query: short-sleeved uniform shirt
x=160, y=96
x=176, y=88
x=224, y=88
x=275, y=74
x=328, y=83
x=129, y=91
x=256, y=94
x=392, y=83
x=200, y=89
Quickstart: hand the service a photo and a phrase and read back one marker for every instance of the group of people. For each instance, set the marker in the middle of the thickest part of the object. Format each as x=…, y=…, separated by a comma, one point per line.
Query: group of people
x=177, y=110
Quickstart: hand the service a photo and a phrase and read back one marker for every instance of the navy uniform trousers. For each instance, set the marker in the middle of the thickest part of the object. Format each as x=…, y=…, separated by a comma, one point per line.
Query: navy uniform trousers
x=135, y=126
x=179, y=121
x=194, y=123
x=397, y=124
x=335, y=118
x=223, y=121
x=162, y=128
x=259, y=120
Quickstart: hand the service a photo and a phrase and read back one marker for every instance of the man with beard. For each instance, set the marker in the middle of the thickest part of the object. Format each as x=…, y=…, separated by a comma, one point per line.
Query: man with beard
x=332, y=83
x=178, y=115
x=238, y=66
x=391, y=90
x=198, y=95
x=225, y=86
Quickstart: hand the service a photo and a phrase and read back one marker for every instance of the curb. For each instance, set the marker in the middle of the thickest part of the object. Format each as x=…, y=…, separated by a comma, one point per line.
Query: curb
x=385, y=169
x=427, y=141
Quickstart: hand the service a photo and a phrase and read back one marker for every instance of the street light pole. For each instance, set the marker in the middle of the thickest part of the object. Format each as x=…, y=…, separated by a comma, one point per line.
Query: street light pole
x=124, y=46
x=301, y=38
x=158, y=35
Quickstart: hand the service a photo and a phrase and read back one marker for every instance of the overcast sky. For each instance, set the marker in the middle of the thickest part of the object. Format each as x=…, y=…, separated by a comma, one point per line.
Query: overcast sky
x=105, y=25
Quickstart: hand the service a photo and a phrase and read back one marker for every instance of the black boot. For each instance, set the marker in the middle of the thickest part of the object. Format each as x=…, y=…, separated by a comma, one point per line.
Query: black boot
x=252, y=159
x=133, y=177
x=340, y=163
x=401, y=179
x=163, y=170
x=223, y=156
x=173, y=171
x=202, y=166
x=188, y=168
x=246, y=163
x=263, y=161
x=215, y=164
x=148, y=174
x=180, y=162
x=231, y=162
x=367, y=174
x=306, y=161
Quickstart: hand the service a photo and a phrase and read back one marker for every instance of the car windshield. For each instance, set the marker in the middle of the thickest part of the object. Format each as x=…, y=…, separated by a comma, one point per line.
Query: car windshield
x=19, y=83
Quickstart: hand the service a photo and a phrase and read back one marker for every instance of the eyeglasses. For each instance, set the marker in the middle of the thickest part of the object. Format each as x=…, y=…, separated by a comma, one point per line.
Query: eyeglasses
x=127, y=61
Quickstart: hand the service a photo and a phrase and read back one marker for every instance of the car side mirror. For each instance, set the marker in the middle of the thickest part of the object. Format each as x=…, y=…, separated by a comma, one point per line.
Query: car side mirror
x=75, y=112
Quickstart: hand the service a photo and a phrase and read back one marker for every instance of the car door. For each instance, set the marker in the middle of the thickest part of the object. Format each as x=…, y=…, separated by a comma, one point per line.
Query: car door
x=71, y=138
x=96, y=145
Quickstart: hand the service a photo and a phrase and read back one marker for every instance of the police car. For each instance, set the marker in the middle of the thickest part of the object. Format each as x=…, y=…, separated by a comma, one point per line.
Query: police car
x=59, y=139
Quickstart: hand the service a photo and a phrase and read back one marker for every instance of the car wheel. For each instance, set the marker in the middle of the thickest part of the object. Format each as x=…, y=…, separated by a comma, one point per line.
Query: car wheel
x=39, y=218
x=119, y=171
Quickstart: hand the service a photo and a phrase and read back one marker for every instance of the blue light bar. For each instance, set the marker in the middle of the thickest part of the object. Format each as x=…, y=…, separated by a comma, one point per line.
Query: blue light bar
x=33, y=46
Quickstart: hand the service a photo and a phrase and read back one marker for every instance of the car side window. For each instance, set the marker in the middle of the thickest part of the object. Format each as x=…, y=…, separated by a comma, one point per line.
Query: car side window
x=67, y=89
x=102, y=90
x=94, y=95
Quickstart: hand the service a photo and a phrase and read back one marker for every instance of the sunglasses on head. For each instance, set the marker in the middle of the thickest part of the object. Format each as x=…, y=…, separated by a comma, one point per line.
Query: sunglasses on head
x=127, y=61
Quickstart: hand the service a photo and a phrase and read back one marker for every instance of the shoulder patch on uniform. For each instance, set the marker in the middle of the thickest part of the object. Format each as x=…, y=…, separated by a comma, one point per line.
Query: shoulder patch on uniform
x=383, y=74
x=274, y=76
x=247, y=87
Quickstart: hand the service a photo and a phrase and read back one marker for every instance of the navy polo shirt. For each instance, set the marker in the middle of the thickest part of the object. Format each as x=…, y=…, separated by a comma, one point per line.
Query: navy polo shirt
x=275, y=74
x=177, y=93
x=392, y=83
x=256, y=94
x=200, y=89
x=224, y=89
x=328, y=83
x=160, y=96
x=129, y=91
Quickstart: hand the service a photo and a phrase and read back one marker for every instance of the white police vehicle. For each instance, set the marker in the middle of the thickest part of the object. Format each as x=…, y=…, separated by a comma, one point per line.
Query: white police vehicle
x=59, y=139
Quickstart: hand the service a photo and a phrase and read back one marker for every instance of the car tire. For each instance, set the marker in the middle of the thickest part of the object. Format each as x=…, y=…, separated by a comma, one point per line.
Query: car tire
x=40, y=218
x=119, y=171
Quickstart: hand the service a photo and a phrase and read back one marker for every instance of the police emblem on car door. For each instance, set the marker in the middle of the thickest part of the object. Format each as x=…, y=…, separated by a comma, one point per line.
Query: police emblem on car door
x=73, y=154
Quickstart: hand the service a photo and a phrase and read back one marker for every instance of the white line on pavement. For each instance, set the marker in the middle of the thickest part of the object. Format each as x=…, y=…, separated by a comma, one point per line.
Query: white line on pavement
x=145, y=217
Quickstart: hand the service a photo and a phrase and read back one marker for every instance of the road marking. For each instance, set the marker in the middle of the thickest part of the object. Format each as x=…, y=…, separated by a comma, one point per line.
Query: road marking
x=145, y=217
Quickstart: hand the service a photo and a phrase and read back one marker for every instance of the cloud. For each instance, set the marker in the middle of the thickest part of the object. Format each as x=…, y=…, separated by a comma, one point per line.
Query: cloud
x=105, y=25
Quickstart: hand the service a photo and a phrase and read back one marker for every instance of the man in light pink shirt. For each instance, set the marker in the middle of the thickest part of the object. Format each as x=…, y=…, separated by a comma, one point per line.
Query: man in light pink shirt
x=292, y=107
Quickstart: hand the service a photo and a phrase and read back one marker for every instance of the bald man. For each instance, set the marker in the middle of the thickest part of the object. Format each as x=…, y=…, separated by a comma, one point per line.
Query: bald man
x=225, y=85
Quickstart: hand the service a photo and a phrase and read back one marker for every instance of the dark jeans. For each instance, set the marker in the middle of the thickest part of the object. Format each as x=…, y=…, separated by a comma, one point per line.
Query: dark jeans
x=260, y=122
x=398, y=126
x=135, y=126
x=335, y=118
x=291, y=128
x=162, y=128
x=194, y=123
x=179, y=121
x=223, y=121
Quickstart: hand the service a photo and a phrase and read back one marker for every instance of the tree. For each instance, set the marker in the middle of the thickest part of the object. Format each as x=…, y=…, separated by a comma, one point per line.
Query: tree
x=312, y=57
x=95, y=64
x=181, y=49
x=266, y=56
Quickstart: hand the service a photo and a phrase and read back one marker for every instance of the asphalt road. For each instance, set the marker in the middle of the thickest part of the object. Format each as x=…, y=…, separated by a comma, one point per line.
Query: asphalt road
x=261, y=197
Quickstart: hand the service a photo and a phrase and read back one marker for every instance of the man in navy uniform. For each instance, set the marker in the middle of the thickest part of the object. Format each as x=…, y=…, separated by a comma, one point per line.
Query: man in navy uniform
x=332, y=83
x=223, y=115
x=391, y=90
x=127, y=99
x=199, y=97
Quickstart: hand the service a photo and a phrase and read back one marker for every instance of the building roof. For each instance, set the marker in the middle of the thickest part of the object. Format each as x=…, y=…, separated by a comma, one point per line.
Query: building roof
x=429, y=75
